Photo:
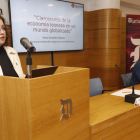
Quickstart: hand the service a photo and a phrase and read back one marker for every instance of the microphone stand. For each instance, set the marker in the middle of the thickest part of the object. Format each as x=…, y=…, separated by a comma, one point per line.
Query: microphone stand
x=29, y=63
x=130, y=98
x=52, y=63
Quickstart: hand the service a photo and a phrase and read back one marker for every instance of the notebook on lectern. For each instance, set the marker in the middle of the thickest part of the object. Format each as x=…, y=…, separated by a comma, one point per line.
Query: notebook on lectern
x=43, y=71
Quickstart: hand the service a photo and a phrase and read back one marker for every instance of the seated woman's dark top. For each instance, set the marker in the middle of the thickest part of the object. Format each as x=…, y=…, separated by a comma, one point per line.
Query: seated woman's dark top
x=136, y=74
x=6, y=64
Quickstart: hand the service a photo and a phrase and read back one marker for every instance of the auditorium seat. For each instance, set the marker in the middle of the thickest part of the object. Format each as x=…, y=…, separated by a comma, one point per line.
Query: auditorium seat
x=126, y=78
x=96, y=87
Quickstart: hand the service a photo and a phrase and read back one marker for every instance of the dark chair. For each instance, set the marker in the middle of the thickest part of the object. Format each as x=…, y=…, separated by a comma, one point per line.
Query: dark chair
x=126, y=81
x=96, y=87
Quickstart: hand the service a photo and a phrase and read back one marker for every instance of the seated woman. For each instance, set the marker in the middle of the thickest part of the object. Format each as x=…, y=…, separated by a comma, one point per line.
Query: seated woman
x=9, y=60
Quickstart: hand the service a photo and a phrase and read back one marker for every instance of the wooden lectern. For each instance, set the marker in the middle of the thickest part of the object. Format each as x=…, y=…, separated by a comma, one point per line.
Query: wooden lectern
x=30, y=109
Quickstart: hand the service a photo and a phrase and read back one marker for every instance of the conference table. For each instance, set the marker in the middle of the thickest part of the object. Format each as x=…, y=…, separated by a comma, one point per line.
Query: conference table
x=113, y=119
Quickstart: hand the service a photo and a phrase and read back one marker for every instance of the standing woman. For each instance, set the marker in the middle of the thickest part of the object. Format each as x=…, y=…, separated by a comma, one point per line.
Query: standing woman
x=9, y=60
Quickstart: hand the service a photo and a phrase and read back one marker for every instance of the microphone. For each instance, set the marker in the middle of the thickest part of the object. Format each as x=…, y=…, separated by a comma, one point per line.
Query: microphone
x=27, y=45
x=130, y=98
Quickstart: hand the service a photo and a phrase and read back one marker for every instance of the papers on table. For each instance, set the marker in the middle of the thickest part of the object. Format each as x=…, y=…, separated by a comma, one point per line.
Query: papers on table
x=124, y=92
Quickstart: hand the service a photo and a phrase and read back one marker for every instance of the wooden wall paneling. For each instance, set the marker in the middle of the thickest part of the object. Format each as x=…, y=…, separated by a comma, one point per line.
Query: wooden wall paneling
x=79, y=59
x=86, y=39
x=104, y=38
x=86, y=20
x=72, y=58
x=123, y=24
x=9, y=35
x=108, y=76
x=105, y=18
x=123, y=67
x=104, y=51
x=104, y=58
x=111, y=88
x=60, y=58
x=105, y=66
x=123, y=49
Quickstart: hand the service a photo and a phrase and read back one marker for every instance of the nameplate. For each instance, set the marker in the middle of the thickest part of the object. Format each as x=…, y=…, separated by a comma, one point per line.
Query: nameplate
x=137, y=101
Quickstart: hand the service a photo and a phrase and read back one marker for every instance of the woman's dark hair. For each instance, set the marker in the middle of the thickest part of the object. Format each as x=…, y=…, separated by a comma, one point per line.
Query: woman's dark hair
x=6, y=41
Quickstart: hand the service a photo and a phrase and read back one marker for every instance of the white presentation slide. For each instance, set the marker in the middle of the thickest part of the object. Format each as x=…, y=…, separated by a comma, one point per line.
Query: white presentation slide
x=50, y=25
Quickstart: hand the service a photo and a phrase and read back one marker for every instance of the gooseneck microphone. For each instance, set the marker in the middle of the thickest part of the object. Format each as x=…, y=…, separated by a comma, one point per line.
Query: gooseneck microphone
x=130, y=98
x=30, y=48
x=27, y=45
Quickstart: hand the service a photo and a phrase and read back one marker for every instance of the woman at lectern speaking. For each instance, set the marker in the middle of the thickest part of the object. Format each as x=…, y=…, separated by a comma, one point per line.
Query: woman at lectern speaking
x=9, y=60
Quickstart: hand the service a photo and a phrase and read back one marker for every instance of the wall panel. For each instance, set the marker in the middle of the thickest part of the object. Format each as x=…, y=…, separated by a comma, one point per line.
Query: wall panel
x=104, y=38
x=105, y=18
x=104, y=58
x=109, y=76
x=105, y=44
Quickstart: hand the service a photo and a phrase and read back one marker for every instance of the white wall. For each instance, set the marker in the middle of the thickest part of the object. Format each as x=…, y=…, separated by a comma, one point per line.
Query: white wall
x=129, y=10
x=103, y=4
x=130, y=7
x=137, y=2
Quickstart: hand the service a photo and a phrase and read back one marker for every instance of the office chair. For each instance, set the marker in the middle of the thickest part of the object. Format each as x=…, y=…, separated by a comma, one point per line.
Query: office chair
x=126, y=81
x=96, y=87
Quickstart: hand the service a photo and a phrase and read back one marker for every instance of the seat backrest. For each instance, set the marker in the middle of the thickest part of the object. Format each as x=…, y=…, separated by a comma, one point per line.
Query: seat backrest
x=126, y=81
x=96, y=87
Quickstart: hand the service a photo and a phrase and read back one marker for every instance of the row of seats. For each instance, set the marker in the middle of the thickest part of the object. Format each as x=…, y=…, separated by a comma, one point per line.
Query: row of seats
x=96, y=87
